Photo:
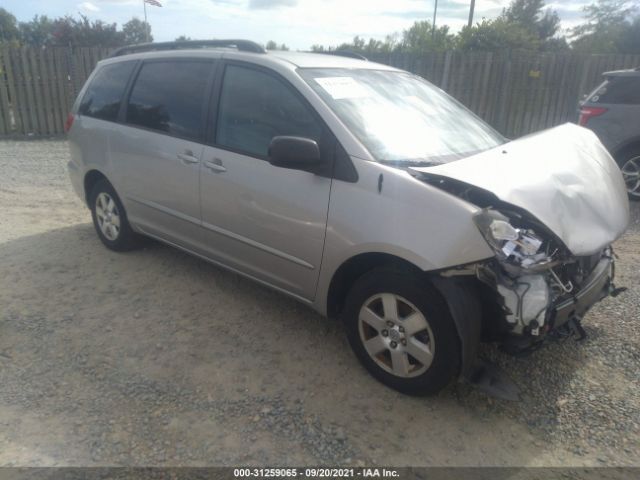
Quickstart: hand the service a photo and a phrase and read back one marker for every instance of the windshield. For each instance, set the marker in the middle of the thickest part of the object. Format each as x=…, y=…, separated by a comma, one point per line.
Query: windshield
x=400, y=117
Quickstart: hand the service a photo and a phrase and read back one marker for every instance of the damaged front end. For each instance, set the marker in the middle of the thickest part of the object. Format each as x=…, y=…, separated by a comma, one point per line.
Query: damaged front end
x=539, y=286
x=550, y=206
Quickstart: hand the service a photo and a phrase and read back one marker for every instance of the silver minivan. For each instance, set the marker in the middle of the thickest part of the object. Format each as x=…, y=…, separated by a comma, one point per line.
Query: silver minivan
x=359, y=189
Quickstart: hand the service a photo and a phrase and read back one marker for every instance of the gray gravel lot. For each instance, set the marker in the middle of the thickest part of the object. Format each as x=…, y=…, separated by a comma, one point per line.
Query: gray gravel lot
x=157, y=358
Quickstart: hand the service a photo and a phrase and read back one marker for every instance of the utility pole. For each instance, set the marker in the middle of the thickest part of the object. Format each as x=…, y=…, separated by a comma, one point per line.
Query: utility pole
x=146, y=25
x=433, y=26
x=472, y=7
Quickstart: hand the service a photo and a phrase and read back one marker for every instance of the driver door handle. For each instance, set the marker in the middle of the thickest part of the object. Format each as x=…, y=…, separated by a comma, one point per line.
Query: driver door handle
x=215, y=165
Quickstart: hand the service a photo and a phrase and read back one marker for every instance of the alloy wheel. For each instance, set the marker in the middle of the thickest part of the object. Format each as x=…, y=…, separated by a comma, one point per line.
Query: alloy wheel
x=631, y=175
x=108, y=216
x=396, y=335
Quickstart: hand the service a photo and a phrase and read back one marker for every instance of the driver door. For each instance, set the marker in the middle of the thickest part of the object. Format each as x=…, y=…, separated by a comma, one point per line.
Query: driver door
x=264, y=221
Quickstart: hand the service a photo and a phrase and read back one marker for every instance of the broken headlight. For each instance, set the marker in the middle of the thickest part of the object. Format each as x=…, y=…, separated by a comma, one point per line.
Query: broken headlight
x=516, y=246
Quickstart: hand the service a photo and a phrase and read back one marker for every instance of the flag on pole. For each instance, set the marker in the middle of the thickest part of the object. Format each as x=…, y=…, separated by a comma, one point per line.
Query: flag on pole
x=155, y=3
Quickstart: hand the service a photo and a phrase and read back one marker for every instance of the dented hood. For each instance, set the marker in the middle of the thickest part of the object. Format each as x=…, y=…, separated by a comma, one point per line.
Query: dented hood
x=563, y=176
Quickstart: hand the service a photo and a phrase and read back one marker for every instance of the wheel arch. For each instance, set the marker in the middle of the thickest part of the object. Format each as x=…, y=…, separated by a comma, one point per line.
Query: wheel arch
x=631, y=145
x=92, y=177
x=352, y=269
x=460, y=294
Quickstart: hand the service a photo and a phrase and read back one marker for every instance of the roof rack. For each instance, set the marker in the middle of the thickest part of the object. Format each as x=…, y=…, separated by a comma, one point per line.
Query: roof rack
x=240, y=45
x=345, y=53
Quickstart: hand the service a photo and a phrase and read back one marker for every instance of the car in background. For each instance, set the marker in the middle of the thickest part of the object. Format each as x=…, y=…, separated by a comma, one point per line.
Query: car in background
x=612, y=111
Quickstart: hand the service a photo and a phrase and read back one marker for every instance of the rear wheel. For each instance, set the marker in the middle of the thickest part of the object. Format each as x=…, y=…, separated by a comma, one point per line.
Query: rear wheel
x=630, y=167
x=110, y=218
x=402, y=332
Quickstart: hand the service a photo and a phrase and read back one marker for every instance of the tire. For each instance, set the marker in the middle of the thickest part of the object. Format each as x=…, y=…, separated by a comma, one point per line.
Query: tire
x=630, y=167
x=110, y=218
x=423, y=327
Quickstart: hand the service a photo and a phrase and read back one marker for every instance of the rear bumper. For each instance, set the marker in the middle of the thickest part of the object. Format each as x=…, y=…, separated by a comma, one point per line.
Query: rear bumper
x=595, y=288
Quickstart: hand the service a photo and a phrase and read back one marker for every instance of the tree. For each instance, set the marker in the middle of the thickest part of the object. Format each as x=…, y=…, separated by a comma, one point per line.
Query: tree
x=38, y=31
x=82, y=31
x=610, y=28
x=529, y=14
x=271, y=45
x=136, y=31
x=422, y=38
x=42, y=30
x=183, y=38
x=495, y=35
x=8, y=27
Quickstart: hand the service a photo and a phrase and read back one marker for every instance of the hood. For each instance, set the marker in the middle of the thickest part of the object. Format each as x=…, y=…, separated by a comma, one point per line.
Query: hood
x=562, y=176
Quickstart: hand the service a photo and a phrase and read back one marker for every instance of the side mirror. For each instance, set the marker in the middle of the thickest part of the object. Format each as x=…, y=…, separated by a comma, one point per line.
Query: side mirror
x=297, y=153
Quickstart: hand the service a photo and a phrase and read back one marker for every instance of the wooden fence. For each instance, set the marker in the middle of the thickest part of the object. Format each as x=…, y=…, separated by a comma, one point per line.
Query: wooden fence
x=516, y=92
x=38, y=87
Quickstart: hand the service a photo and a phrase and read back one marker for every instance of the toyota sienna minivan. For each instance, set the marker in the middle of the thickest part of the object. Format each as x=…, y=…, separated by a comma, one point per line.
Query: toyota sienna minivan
x=359, y=189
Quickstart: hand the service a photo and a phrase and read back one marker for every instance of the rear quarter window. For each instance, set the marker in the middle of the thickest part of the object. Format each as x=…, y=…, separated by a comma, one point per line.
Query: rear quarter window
x=171, y=97
x=104, y=94
x=618, y=90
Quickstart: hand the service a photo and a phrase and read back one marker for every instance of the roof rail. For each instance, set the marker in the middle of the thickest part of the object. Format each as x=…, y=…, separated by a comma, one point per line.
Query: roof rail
x=241, y=45
x=345, y=53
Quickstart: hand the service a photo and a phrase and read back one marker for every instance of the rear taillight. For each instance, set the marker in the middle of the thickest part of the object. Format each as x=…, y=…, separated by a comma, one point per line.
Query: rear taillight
x=69, y=122
x=586, y=113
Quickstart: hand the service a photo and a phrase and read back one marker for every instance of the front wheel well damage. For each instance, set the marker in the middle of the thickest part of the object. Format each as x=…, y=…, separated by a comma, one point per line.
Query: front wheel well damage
x=463, y=296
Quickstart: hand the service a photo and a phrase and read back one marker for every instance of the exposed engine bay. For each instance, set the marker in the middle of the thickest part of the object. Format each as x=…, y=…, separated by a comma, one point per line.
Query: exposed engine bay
x=539, y=286
x=532, y=273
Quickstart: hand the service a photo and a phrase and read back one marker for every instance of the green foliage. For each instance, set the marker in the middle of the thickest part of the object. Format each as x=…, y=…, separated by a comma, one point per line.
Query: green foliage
x=531, y=16
x=69, y=31
x=136, y=31
x=523, y=25
x=422, y=37
x=610, y=28
x=63, y=31
x=8, y=26
x=495, y=35
x=419, y=38
x=183, y=38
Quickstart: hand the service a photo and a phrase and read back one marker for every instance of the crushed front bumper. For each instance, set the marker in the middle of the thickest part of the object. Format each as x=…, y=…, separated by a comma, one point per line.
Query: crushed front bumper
x=595, y=287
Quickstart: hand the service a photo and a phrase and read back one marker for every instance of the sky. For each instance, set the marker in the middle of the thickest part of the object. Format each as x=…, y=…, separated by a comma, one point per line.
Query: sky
x=297, y=23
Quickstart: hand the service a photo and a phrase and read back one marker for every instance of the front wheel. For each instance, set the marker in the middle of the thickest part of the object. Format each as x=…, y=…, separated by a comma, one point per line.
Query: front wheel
x=630, y=167
x=401, y=330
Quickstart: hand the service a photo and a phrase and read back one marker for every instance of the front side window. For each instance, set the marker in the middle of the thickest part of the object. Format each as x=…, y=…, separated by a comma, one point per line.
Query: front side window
x=170, y=96
x=255, y=107
x=104, y=94
x=401, y=118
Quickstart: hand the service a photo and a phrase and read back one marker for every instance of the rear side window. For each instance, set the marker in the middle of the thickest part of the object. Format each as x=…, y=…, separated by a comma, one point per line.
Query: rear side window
x=103, y=96
x=255, y=107
x=170, y=97
x=618, y=90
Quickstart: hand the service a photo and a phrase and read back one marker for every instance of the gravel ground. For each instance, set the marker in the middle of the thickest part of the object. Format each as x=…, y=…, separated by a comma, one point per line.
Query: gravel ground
x=156, y=358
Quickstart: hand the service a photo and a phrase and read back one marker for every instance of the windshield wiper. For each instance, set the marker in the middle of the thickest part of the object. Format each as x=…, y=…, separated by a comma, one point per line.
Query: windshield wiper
x=410, y=163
